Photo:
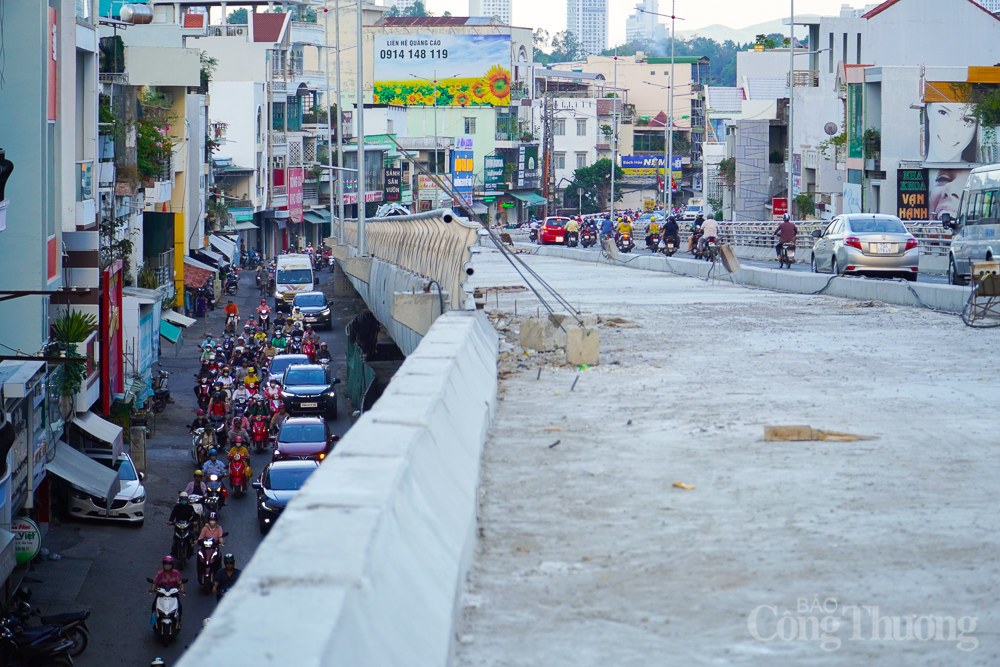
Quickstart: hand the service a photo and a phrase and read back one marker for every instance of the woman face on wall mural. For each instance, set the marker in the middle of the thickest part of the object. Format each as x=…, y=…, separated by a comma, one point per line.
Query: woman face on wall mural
x=949, y=133
x=946, y=187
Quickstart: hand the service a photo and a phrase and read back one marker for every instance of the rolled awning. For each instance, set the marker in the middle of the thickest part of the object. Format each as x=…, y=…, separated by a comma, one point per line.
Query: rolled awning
x=169, y=331
x=529, y=198
x=223, y=245
x=102, y=430
x=211, y=257
x=245, y=226
x=84, y=472
x=317, y=216
x=176, y=318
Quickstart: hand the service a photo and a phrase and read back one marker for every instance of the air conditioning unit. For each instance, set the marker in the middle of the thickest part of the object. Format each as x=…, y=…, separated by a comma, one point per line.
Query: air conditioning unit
x=241, y=31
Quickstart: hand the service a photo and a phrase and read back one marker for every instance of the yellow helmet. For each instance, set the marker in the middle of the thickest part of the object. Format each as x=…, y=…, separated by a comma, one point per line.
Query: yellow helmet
x=653, y=219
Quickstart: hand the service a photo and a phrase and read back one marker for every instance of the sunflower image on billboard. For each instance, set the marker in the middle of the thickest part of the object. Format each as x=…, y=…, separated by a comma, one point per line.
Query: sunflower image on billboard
x=470, y=70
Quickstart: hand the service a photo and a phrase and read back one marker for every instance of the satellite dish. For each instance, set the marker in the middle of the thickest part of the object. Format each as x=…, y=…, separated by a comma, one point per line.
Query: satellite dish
x=830, y=128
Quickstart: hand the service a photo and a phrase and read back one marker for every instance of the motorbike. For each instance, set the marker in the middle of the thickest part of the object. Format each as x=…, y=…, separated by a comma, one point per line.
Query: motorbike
x=232, y=323
x=710, y=252
x=240, y=406
x=533, y=234
x=258, y=431
x=181, y=549
x=44, y=645
x=73, y=625
x=264, y=317
x=652, y=241
x=787, y=257
x=161, y=394
x=309, y=350
x=198, y=505
x=209, y=562
x=572, y=238
x=209, y=296
x=238, y=476
x=669, y=246
x=201, y=442
x=625, y=243
x=167, y=619
x=587, y=238
x=216, y=493
x=233, y=283
x=219, y=426
x=203, y=391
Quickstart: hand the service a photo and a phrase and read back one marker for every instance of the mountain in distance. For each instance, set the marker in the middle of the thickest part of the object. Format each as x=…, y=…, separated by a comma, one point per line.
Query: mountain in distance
x=721, y=33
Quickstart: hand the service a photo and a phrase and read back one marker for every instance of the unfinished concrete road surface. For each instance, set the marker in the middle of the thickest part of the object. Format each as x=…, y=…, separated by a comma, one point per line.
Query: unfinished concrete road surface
x=784, y=553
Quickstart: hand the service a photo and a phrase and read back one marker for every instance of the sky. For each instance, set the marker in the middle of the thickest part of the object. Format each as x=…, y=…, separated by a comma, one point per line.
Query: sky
x=551, y=14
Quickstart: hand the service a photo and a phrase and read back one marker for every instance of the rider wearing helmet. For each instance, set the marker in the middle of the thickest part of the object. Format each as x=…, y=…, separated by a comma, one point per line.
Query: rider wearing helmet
x=212, y=529
x=167, y=578
x=226, y=577
x=183, y=511
x=786, y=233
x=652, y=228
x=213, y=466
x=240, y=448
x=197, y=486
x=323, y=354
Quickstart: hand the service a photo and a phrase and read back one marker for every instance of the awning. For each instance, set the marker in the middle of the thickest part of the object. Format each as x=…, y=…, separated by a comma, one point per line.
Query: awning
x=529, y=198
x=212, y=256
x=223, y=245
x=169, y=331
x=84, y=472
x=196, y=274
x=176, y=318
x=101, y=429
x=244, y=226
x=478, y=209
x=317, y=216
x=8, y=559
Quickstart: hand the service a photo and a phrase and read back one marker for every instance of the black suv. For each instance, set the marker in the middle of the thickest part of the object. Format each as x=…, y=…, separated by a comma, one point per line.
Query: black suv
x=307, y=389
x=315, y=309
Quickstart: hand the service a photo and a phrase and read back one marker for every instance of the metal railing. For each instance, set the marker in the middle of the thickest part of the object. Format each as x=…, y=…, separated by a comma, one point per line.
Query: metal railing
x=114, y=77
x=808, y=78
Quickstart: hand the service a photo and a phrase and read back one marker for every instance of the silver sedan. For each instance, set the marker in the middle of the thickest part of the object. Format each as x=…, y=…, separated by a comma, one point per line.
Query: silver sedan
x=866, y=244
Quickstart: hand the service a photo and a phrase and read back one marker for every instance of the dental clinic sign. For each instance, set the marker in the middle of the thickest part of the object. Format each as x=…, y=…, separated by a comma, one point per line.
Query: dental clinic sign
x=27, y=539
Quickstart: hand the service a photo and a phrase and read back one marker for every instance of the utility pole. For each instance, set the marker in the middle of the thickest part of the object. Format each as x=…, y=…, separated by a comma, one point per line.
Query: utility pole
x=614, y=139
x=550, y=148
x=360, y=95
x=668, y=171
x=340, y=129
x=791, y=98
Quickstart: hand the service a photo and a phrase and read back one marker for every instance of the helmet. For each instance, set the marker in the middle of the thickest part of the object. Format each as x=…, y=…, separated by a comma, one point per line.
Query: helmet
x=198, y=473
x=785, y=217
x=212, y=452
x=213, y=516
x=653, y=219
x=251, y=368
x=201, y=412
x=157, y=662
x=323, y=344
x=183, y=496
x=229, y=558
x=168, y=559
x=239, y=438
x=263, y=302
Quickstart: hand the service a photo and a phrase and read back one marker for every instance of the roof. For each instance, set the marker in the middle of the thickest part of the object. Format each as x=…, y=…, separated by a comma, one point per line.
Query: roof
x=766, y=88
x=889, y=3
x=567, y=74
x=724, y=99
x=267, y=27
x=680, y=60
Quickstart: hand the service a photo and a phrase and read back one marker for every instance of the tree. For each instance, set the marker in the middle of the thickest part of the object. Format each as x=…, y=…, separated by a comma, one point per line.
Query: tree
x=239, y=16
x=416, y=9
x=566, y=47
x=595, y=183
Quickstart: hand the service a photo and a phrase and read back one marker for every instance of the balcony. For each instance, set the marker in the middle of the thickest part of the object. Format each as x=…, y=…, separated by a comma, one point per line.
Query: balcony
x=519, y=90
x=805, y=78
x=120, y=78
x=163, y=266
x=304, y=32
x=239, y=30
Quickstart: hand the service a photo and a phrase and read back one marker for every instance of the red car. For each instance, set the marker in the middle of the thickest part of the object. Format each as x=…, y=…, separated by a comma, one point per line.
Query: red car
x=553, y=230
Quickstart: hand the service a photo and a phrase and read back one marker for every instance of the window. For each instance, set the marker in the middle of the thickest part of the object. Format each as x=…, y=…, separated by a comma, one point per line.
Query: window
x=560, y=159
x=652, y=73
x=831, y=54
x=666, y=74
x=581, y=127
x=843, y=57
x=974, y=209
x=858, y=61
x=559, y=128
x=389, y=126
x=581, y=160
x=470, y=125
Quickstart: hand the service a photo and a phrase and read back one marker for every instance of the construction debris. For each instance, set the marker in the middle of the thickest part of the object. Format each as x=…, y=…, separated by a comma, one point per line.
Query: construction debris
x=799, y=433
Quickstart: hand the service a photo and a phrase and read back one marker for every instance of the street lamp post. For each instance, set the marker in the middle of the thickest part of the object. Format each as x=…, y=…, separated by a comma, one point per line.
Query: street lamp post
x=791, y=112
x=668, y=185
x=360, y=96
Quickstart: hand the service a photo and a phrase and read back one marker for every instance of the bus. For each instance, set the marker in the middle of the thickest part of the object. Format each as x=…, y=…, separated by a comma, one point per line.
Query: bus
x=976, y=231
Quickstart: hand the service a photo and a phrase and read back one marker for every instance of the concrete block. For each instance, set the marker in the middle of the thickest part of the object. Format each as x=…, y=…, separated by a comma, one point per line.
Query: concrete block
x=341, y=285
x=340, y=252
x=417, y=310
x=583, y=346
x=542, y=335
x=359, y=267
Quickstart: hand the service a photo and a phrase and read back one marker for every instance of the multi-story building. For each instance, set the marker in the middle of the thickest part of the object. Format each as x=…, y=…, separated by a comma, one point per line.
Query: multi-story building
x=992, y=6
x=498, y=8
x=645, y=23
x=588, y=21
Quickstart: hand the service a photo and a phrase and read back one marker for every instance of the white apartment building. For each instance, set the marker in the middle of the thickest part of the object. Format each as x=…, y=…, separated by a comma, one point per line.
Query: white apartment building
x=646, y=24
x=992, y=6
x=499, y=8
x=575, y=130
x=588, y=20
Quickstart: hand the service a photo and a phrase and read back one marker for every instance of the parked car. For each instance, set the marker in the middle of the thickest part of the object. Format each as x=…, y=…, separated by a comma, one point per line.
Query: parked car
x=278, y=484
x=307, y=389
x=692, y=212
x=129, y=505
x=303, y=438
x=553, y=230
x=280, y=364
x=867, y=244
x=314, y=307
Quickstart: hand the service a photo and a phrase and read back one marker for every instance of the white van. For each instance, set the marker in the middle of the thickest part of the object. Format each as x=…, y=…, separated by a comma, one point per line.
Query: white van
x=976, y=232
x=293, y=274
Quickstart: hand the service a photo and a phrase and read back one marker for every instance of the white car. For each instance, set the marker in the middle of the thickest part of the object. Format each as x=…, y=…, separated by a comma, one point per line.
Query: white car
x=128, y=506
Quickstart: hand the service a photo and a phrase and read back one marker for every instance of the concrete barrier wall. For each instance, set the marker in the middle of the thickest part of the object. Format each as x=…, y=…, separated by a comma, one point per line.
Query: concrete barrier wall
x=384, y=279
x=948, y=298
x=366, y=565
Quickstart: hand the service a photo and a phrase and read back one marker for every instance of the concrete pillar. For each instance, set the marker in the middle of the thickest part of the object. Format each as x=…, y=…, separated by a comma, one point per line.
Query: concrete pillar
x=225, y=19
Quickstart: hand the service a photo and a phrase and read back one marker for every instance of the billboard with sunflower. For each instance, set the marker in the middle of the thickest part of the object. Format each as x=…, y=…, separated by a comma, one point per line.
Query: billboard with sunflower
x=469, y=70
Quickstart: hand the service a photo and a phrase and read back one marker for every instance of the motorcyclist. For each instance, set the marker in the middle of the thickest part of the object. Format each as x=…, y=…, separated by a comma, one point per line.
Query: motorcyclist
x=242, y=392
x=696, y=232
x=213, y=466
x=297, y=315
x=227, y=377
x=279, y=342
x=269, y=350
x=323, y=353
x=227, y=577
x=652, y=228
x=168, y=578
x=241, y=370
x=709, y=229
x=218, y=405
x=607, y=228
x=671, y=230
x=624, y=227
x=572, y=226
x=182, y=511
x=258, y=407
x=786, y=233
x=212, y=530
x=251, y=377
x=207, y=354
x=279, y=418
x=241, y=449
x=200, y=421
x=208, y=343
x=238, y=429
x=197, y=487
x=311, y=336
x=232, y=310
